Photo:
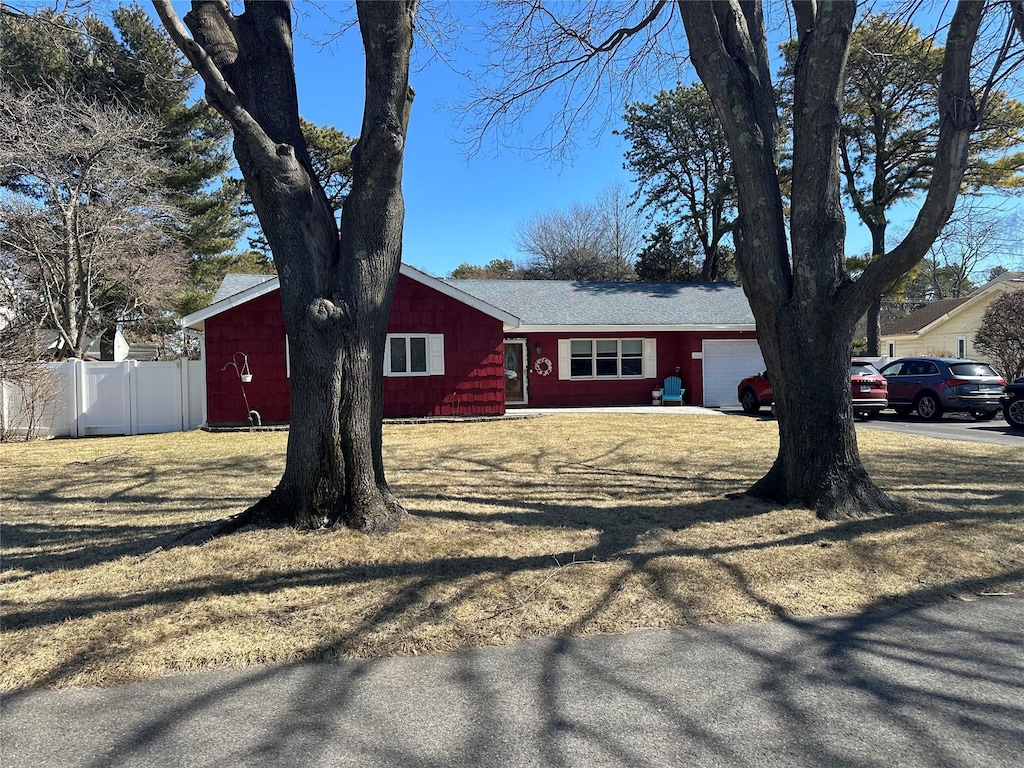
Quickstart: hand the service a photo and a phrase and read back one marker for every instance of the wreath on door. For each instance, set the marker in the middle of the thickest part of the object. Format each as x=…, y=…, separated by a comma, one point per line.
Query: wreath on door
x=543, y=366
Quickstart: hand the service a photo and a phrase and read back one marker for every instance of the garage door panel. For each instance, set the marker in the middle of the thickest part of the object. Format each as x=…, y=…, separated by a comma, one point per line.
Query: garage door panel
x=726, y=363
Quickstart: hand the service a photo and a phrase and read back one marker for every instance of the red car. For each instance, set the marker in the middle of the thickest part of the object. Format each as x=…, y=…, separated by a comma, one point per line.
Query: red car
x=869, y=388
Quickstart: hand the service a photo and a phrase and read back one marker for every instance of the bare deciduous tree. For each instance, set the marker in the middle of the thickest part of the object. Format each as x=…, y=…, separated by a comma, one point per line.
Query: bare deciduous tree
x=974, y=238
x=586, y=241
x=26, y=387
x=83, y=214
x=1001, y=334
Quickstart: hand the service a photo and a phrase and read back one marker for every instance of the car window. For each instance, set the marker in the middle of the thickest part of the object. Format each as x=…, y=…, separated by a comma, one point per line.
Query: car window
x=863, y=369
x=920, y=368
x=893, y=369
x=972, y=369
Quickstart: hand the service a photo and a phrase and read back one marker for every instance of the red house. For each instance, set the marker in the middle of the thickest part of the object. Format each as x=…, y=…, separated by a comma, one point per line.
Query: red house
x=473, y=347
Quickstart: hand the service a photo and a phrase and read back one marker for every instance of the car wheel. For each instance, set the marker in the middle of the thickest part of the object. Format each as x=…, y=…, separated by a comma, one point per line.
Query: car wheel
x=928, y=407
x=1013, y=412
x=983, y=415
x=903, y=411
x=749, y=401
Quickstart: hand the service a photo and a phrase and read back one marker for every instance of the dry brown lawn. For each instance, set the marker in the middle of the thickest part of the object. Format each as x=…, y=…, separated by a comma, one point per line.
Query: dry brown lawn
x=567, y=524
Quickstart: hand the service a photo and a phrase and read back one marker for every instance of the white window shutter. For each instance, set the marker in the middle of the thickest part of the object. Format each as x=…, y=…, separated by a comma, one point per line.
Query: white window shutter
x=435, y=350
x=563, y=359
x=387, y=355
x=650, y=358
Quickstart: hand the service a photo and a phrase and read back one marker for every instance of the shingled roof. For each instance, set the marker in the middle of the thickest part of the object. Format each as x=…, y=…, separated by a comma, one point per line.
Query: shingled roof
x=234, y=283
x=922, y=317
x=568, y=303
x=580, y=303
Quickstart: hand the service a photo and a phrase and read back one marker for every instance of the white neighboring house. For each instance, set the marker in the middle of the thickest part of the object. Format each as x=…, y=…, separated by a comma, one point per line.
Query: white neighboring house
x=51, y=340
x=946, y=328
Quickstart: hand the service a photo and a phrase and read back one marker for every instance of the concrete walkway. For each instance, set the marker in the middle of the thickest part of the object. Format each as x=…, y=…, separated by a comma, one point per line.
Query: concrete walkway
x=941, y=685
x=660, y=410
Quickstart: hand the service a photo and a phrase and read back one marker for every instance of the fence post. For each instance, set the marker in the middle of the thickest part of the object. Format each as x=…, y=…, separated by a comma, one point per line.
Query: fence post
x=182, y=364
x=133, y=395
x=79, y=394
x=4, y=408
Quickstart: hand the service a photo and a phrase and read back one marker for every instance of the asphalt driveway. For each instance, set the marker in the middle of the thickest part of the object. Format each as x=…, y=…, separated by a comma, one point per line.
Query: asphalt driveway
x=952, y=426
x=941, y=685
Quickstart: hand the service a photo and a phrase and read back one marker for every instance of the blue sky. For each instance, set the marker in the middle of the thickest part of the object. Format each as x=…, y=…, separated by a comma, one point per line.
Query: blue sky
x=458, y=208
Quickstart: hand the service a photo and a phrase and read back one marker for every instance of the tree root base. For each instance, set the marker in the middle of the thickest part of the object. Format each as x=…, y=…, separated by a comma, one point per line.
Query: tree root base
x=375, y=514
x=849, y=497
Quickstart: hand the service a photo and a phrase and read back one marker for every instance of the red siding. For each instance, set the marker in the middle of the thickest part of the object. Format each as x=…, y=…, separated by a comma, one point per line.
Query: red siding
x=673, y=349
x=474, y=377
x=255, y=328
x=473, y=381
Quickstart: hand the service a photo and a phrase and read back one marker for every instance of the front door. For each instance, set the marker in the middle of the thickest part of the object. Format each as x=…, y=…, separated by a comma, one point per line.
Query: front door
x=515, y=372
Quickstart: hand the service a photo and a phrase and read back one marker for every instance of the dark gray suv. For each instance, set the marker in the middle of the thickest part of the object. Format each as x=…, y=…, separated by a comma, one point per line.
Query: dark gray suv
x=934, y=385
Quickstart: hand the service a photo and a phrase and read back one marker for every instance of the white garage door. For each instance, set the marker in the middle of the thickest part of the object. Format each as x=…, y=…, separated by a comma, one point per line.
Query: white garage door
x=726, y=362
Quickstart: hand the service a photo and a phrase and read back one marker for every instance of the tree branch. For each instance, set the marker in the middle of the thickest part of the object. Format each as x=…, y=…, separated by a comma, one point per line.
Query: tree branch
x=219, y=92
x=958, y=118
x=731, y=59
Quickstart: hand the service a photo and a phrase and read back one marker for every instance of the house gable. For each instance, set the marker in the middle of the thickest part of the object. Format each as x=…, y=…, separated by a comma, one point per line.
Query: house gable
x=947, y=326
x=260, y=285
x=462, y=340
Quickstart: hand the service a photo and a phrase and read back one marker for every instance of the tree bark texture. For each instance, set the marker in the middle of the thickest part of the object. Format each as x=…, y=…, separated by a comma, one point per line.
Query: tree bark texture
x=336, y=290
x=803, y=300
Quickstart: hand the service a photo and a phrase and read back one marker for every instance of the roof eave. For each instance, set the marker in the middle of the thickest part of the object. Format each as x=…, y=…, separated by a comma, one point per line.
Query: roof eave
x=703, y=327
x=507, y=318
x=196, y=320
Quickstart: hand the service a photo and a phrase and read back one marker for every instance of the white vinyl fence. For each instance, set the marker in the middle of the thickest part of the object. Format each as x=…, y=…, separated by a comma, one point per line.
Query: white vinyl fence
x=127, y=398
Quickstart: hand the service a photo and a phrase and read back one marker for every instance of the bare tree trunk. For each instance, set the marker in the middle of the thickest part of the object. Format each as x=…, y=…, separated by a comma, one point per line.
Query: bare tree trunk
x=335, y=292
x=874, y=316
x=818, y=464
x=800, y=329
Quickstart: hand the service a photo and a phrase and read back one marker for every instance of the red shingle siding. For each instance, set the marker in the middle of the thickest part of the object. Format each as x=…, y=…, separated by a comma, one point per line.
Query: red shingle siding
x=673, y=349
x=255, y=328
x=473, y=380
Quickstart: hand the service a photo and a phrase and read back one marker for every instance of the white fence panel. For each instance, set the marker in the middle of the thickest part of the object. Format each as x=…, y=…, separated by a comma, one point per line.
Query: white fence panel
x=104, y=399
x=156, y=392
x=55, y=400
x=99, y=398
x=194, y=393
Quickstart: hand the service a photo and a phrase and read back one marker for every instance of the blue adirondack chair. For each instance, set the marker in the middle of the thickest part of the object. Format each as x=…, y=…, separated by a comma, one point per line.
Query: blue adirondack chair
x=672, y=392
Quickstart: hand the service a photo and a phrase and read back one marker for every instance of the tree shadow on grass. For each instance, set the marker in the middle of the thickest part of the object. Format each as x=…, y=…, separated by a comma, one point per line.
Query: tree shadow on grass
x=410, y=582
x=625, y=513
x=115, y=507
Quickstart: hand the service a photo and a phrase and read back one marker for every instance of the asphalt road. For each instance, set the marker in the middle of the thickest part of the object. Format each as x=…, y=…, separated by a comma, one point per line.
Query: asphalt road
x=941, y=685
x=952, y=426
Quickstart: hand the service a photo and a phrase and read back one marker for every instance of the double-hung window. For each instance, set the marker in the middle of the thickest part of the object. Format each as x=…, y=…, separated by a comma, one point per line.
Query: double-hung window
x=606, y=358
x=414, y=354
x=406, y=356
